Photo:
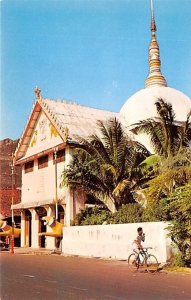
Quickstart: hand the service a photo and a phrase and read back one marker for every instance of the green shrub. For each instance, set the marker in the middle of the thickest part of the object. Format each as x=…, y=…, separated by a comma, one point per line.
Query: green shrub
x=91, y=216
x=178, y=259
x=153, y=213
x=129, y=213
x=97, y=218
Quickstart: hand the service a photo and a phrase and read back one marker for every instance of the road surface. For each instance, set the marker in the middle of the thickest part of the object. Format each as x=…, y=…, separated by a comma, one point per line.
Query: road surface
x=44, y=277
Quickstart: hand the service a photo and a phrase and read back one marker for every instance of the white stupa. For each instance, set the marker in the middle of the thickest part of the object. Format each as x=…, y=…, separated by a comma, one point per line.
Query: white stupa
x=141, y=105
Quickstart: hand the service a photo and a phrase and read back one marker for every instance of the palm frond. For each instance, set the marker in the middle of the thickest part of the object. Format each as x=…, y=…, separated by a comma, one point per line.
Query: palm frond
x=102, y=162
x=119, y=189
x=150, y=161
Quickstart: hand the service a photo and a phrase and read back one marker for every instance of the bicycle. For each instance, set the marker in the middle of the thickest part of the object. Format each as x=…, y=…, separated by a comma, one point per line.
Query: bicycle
x=144, y=260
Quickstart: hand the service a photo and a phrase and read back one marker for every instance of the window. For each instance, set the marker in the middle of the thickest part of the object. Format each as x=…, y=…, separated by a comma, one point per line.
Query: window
x=43, y=162
x=60, y=156
x=29, y=166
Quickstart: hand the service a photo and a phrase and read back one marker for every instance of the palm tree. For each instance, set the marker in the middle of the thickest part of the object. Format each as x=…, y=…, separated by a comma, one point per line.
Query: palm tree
x=104, y=165
x=167, y=135
x=185, y=132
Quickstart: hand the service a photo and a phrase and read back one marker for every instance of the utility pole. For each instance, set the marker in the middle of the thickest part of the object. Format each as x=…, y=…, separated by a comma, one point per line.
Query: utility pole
x=12, y=165
x=56, y=182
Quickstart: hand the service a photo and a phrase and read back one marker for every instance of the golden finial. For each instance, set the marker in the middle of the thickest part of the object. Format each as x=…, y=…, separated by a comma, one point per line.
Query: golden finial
x=153, y=25
x=155, y=76
x=37, y=92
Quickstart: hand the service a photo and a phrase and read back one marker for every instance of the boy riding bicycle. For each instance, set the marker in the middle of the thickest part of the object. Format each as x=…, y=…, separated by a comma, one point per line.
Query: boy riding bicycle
x=137, y=242
x=140, y=256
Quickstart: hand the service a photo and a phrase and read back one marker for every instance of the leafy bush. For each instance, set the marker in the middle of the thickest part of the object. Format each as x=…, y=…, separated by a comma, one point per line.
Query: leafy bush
x=129, y=213
x=153, y=212
x=97, y=218
x=178, y=259
x=178, y=208
x=92, y=216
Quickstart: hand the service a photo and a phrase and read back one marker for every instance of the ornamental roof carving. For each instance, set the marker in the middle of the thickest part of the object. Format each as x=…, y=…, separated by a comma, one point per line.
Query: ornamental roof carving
x=68, y=118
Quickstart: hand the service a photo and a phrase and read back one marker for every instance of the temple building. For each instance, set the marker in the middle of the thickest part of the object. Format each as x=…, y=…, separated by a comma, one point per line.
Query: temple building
x=45, y=148
x=50, y=137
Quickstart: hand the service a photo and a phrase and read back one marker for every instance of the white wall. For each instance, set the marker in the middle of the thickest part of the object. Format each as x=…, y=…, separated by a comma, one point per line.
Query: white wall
x=115, y=241
x=39, y=184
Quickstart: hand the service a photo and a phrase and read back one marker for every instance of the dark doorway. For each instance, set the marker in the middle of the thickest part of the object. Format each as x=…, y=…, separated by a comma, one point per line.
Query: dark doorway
x=28, y=229
x=60, y=214
x=41, y=211
x=17, y=220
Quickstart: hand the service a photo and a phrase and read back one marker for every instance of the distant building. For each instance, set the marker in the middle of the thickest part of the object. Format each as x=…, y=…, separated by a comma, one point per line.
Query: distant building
x=10, y=185
x=7, y=149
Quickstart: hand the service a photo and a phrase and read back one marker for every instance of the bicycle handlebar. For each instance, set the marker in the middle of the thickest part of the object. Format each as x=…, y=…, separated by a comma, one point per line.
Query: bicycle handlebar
x=147, y=248
x=144, y=248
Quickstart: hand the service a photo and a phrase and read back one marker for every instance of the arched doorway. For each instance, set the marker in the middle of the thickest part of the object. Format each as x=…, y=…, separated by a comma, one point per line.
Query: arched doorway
x=41, y=211
x=61, y=214
x=28, y=229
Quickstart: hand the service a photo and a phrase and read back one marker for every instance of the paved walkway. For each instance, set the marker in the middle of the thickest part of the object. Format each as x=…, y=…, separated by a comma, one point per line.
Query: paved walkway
x=37, y=251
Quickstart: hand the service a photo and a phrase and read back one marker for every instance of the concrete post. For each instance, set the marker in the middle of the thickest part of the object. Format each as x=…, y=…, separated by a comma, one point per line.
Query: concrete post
x=22, y=228
x=35, y=229
x=50, y=241
x=68, y=193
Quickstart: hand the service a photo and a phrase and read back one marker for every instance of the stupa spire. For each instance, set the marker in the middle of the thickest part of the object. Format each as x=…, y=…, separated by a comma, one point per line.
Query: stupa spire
x=155, y=76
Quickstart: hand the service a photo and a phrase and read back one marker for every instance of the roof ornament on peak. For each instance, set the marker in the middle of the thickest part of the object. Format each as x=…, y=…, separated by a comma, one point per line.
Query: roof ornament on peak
x=153, y=25
x=155, y=76
x=37, y=92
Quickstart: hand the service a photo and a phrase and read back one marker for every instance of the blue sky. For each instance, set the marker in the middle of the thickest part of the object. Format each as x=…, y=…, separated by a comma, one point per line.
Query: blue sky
x=94, y=52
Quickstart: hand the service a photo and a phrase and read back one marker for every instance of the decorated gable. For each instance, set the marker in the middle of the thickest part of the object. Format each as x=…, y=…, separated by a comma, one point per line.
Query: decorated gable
x=44, y=136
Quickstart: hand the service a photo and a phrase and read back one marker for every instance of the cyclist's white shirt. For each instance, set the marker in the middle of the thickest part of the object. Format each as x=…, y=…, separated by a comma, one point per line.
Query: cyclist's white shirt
x=140, y=239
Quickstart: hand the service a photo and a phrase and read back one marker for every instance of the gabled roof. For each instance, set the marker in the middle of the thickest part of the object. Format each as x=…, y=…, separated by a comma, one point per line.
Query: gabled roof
x=69, y=119
x=27, y=132
x=80, y=120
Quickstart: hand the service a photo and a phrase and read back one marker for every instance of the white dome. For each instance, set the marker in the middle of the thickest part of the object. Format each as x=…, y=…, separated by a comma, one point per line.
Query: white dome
x=141, y=106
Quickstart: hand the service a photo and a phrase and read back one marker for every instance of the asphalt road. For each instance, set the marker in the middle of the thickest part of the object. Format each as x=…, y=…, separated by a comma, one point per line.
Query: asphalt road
x=27, y=277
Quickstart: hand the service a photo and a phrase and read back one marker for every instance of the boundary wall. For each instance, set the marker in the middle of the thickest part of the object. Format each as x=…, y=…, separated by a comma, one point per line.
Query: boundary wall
x=115, y=241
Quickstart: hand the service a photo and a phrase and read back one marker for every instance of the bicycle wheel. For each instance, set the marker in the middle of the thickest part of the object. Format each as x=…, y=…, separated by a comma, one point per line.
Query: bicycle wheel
x=152, y=263
x=133, y=266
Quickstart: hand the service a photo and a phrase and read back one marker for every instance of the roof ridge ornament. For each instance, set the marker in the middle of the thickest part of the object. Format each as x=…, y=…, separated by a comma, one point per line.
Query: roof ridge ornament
x=37, y=92
x=155, y=76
